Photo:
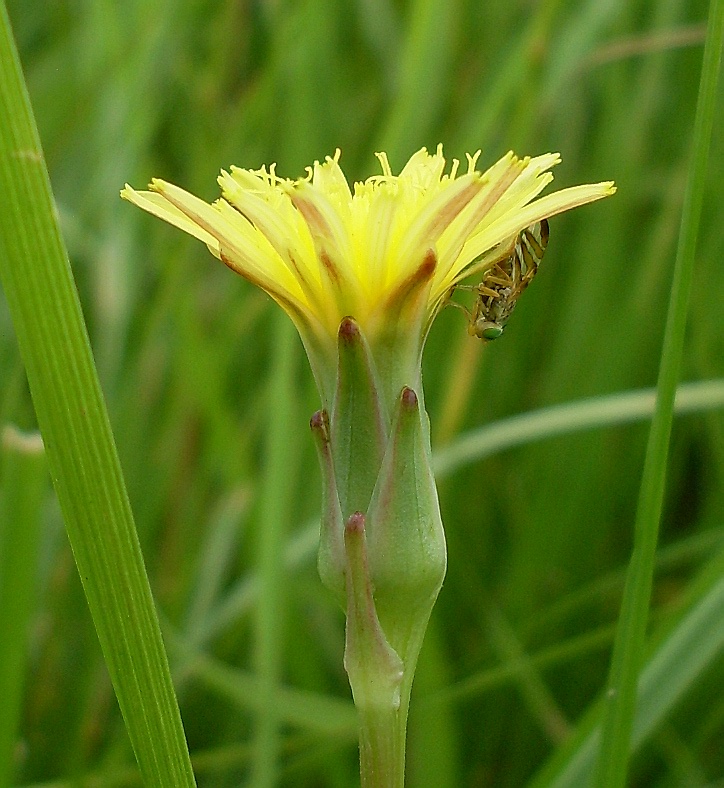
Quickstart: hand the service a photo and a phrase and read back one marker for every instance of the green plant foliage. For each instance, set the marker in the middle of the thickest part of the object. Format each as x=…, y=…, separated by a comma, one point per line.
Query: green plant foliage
x=209, y=398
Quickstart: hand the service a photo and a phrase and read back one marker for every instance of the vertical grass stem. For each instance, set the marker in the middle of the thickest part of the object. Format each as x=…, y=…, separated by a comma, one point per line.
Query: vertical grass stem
x=629, y=646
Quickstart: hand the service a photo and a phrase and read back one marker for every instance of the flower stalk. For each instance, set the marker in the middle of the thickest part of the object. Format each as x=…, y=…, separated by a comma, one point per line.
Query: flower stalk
x=375, y=671
x=362, y=272
x=382, y=546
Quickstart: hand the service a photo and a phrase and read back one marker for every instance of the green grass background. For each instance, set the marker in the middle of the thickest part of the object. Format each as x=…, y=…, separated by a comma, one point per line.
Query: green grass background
x=188, y=355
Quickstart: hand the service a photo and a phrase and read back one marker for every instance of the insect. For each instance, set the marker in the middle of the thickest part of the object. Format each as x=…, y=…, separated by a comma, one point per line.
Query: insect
x=499, y=291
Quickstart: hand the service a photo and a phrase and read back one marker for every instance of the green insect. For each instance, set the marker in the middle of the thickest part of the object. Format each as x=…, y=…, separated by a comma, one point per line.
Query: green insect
x=502, y=284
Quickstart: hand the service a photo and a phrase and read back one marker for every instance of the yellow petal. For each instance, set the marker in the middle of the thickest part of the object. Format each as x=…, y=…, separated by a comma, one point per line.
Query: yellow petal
x=158, y=205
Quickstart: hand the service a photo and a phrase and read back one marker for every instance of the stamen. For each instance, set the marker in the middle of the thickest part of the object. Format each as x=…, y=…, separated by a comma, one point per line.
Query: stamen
x=386, y=169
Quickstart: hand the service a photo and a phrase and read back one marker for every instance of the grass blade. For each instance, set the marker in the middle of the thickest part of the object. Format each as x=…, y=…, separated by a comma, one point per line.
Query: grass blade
x=24, y=479
x=692, y=647
x=276, y=504
x=587, y=414
x=631, y=633
x=81, y=453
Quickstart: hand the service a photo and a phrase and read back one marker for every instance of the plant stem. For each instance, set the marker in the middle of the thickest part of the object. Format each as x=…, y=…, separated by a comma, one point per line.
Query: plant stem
x=382, y=746
x=383, y=727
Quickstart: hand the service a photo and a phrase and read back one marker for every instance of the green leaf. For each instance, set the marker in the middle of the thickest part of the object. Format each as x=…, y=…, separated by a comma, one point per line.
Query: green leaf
x=24, y=479
x=672, y=669
x=628, y=652
x=81, y=453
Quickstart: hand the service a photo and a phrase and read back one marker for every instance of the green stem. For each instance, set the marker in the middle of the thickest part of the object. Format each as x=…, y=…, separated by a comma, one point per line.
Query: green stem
x=382, y=734
x=379, y=679
x=628, y=652
x=383, y=728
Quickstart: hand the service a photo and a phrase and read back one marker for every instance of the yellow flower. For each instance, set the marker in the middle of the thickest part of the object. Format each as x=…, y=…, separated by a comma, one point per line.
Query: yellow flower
x=385, y=252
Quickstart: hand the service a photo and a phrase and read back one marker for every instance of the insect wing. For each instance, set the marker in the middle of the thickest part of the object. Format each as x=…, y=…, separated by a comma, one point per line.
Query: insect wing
x=530, y=247
x=533, y=243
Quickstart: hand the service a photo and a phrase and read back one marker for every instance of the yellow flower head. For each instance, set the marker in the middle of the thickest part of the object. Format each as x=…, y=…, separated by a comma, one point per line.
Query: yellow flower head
x=385, y=252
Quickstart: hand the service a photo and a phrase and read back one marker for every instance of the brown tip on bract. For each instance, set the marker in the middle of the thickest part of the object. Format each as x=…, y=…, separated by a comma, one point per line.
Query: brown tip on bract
x=319, y=421
x=348, y=329
x=409, y=398
x=355, y=523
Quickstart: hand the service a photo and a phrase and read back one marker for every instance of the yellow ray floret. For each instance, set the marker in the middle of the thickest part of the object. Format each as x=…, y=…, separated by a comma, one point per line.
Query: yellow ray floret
x=324, y=250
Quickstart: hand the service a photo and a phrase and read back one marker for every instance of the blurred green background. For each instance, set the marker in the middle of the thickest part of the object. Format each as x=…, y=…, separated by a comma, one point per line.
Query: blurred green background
x=539, y=535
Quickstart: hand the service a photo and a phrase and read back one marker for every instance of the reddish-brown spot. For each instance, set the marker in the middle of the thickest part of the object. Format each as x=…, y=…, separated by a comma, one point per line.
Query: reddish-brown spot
x=301, y=278
x=320, y=424
x=428, y=266
x=226, y=260
x=321, y=233
x=348, y=329
x=422, y=274
x=448, y=212
x=330, y=267
x=278, y=295
x=314, y=219
x=240, y=212
x=496, y=192
x=355, y=523
x=409, y=398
